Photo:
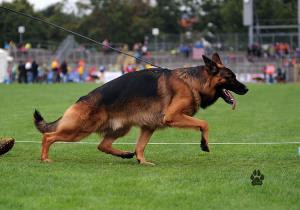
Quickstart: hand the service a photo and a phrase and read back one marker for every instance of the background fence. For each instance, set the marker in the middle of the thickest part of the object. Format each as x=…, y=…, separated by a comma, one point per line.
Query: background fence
x=164, y=51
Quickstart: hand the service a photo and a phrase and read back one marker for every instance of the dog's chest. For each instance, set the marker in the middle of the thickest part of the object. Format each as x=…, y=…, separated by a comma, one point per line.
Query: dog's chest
x=207, y=100
x=116, y=123
x=196, y=102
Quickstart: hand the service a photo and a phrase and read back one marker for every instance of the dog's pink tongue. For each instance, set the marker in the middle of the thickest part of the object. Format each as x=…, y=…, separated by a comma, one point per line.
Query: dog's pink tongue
x=229, y=95
x=233, y=104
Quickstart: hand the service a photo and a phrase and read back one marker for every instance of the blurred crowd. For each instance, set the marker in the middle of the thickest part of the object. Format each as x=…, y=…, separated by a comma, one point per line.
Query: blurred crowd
x=272, y=73
x=31, y=72
x=276, y=50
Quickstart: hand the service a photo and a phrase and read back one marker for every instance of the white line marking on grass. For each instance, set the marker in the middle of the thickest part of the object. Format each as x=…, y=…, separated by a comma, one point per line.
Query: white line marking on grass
x=174, y=143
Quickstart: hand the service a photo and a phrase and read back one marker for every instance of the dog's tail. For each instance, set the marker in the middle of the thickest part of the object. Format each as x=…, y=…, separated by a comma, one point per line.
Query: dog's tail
x=42, y=125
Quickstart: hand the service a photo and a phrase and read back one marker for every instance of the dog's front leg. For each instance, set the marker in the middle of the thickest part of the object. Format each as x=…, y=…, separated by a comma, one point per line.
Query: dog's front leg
x=180, y=120
x=175, y=117
x=142, y=142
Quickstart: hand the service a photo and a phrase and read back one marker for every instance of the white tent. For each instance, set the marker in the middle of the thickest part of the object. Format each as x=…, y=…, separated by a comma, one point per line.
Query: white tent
x=4, y=59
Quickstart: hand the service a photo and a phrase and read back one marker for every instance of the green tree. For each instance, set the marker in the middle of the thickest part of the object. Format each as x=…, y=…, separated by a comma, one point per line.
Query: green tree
x=165, y=16
x=54, y=14
x=231, y=12
x=9, y=23
x=118, y=21
x=128, y=21
x=276, y=11
x=210, y=18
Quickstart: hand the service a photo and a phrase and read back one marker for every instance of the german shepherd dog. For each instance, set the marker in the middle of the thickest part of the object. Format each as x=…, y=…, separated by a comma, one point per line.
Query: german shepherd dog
x=149, y=99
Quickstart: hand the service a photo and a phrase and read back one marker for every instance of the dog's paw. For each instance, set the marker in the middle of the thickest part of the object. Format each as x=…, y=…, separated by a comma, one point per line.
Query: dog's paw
x=46, y=161
x=127, y=155
x=204, y=146
x=257, y=177
x=145, y=163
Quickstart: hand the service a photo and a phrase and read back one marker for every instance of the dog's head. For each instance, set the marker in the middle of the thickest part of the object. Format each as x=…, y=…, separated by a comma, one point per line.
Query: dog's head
x=225, y=79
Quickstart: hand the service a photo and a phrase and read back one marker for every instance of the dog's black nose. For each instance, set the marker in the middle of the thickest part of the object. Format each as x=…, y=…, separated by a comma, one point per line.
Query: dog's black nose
x=244, y=91
x=240, y=90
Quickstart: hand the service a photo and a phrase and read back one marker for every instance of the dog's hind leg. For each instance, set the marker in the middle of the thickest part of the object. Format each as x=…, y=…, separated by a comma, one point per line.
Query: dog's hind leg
x=50, y=138
x=109, y=138
x=77, y=122
x=142, y=142
x=45, y=148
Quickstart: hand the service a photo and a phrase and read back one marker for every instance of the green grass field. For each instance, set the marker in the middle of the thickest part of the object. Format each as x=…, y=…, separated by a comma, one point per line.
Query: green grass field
x=184, y=177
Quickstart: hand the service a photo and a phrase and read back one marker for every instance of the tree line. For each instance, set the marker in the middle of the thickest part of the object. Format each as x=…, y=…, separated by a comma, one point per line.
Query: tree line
x=129, y=21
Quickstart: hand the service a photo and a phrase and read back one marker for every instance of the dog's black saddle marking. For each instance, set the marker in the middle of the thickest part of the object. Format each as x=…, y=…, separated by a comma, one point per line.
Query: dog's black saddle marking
x=136, y=84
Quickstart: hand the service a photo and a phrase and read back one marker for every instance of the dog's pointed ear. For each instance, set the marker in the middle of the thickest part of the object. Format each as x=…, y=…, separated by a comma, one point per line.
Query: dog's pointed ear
x=216, y=58
x=212, y=66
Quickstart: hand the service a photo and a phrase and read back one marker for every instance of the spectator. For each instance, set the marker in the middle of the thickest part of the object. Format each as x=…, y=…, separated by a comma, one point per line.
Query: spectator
x=50, y=77
x=137, y=48
x=55, y=70
x=74, y=76
x=14, y=72
x=42, y=73
x=22, y=77
x=105, y=45
x=34, y=70
x=28, y=67
x=102, y=71
x=81, y=69
x=185, y=50
x=270, y=71
x=254, y=50
x=281, y=77
x=64, y=71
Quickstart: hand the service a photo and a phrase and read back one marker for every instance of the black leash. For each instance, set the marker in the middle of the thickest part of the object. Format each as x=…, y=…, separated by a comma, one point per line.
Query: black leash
x=77, y=34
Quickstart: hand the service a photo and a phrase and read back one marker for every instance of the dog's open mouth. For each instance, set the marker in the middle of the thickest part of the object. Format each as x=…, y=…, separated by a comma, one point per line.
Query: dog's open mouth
x=228, y=97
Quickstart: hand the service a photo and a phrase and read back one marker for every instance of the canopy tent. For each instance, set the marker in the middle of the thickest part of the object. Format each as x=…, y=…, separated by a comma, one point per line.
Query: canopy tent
x=4, y=59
